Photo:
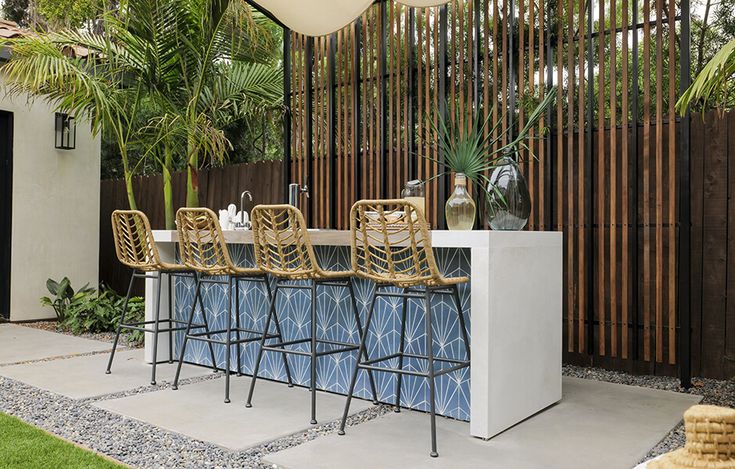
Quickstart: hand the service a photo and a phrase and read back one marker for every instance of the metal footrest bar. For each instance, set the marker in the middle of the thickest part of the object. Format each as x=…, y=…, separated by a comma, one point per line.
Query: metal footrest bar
x=370, y=364
x=200, y=336
x=280, y=347
x=423, y=374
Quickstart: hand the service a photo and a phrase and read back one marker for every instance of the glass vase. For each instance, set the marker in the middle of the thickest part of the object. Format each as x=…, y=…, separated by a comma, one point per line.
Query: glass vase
x=460, y=208
x=508, y=201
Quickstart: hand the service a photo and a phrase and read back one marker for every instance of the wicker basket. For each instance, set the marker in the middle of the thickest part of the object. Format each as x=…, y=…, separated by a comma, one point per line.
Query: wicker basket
x=710, y=441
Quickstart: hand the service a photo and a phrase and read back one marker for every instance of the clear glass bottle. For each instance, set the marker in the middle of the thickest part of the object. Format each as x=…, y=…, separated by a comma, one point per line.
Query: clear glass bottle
x=460, y=208
x=508, y=202
x=414, y=192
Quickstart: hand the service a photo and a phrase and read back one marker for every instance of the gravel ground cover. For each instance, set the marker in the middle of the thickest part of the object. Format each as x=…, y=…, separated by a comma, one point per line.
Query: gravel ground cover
x=53, y=326
x=715, y=392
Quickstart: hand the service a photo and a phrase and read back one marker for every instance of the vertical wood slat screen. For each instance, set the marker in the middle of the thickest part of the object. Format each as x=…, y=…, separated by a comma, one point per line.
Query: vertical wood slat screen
x=365, y=102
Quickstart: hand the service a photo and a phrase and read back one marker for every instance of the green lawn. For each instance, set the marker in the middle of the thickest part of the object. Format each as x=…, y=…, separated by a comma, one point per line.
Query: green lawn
x=24, y=446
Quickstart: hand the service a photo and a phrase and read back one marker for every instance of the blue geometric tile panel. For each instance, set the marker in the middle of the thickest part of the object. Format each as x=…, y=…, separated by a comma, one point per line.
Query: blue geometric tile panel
x=336, y=322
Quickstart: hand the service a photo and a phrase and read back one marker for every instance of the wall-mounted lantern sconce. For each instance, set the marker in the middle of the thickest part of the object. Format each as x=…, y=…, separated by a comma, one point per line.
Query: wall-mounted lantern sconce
x=66, y=132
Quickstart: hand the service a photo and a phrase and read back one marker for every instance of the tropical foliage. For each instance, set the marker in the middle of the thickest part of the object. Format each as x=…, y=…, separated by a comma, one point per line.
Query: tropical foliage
x=472, y=147
x=164, y=81
x=715, y=85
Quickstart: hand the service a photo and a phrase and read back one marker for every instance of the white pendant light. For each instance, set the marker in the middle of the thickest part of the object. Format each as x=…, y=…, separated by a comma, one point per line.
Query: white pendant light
x=322, y=17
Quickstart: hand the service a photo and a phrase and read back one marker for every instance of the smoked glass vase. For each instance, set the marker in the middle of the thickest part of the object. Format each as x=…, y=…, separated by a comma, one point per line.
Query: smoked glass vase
x=508, y=200
x=460, y=208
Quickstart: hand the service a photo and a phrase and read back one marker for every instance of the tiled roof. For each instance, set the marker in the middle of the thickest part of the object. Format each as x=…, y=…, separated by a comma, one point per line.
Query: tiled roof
x=10, y=29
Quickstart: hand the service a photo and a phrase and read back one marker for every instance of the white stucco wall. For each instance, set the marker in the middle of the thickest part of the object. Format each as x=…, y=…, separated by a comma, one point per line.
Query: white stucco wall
x=56, y=198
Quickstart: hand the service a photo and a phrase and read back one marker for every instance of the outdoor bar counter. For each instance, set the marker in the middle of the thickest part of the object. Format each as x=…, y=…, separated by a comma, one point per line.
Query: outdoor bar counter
x=513, y=303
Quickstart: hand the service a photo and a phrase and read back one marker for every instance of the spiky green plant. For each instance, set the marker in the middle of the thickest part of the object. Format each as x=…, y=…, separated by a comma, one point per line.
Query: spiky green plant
x=471, y=147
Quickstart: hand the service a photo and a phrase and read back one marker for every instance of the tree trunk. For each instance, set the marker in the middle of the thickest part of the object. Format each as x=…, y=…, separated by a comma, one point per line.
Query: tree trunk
x=192, y=176
x=128, y=179
x=168, y=199
x=702, y=36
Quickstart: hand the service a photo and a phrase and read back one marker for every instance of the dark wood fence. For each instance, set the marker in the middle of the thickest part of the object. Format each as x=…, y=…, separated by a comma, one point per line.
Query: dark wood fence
x=219, y=187
x=713, y=245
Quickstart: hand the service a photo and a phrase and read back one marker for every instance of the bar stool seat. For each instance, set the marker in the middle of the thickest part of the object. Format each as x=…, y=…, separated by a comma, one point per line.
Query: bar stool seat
x=283, y=249
x=136, y=248
x=391, y=246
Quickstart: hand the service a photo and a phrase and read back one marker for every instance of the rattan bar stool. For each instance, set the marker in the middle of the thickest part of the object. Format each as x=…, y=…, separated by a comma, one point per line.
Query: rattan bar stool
x=391, y=246
x=135, y=248
x=204, y=250
x=284, y=250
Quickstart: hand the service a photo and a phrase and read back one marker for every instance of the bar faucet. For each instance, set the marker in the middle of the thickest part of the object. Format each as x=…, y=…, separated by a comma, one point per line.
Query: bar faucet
x=294, y=190
x=241, y=222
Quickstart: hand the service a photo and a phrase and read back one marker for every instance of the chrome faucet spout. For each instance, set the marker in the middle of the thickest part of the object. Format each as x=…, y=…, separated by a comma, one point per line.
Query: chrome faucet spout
x=241, y=222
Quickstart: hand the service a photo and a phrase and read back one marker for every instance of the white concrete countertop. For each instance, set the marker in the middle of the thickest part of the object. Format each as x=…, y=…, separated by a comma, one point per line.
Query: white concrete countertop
x=439, y=238
x=515, y=317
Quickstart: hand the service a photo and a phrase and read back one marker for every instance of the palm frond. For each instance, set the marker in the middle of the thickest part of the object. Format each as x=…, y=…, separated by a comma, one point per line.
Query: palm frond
x=714, y=82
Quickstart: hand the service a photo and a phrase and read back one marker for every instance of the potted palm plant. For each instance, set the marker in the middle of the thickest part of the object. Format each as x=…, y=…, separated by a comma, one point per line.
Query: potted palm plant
x=474, y=151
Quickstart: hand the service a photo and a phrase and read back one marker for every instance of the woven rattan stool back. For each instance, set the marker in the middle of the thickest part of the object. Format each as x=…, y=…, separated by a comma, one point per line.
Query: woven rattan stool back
x=391, y=244
x=201, y=242
x=282, y=244
x=134, y=243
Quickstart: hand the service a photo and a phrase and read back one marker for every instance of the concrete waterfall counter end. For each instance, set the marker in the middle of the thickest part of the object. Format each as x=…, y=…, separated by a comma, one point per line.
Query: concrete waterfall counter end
x=513, y=304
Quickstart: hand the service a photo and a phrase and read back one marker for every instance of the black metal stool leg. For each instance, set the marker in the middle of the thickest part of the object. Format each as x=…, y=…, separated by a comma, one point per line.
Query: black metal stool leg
x=465, y=337
x=197, y=294
x=119, y=324
x=432, y=384
x=312, y=385
x=156, y=324
x=360, y=354
x=279, y=334
x=359, y=331
x=206, y=324
x=170, y=321
x=228, y=338
x=271, y=313
x=401, y=348
x=237, y=325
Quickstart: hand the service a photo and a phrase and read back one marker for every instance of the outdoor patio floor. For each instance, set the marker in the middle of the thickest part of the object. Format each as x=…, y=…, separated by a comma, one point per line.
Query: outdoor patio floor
x=85, y=377
x=20, y=344
x=597, y=424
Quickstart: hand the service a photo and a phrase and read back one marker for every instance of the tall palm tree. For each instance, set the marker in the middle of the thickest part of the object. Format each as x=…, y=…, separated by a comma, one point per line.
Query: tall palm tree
x=164, y=72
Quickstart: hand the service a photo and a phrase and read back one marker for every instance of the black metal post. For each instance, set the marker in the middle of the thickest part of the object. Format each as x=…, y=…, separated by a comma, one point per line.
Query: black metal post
x=511, y=70
x=332, y=86
x=549, y=196
x=685, y=221
x=633, y=181
x=412, y=92
x=309, y=121
x=382, y=67
x=476, y=90
x=443, y=65
x=286, y=111
x=589, y=180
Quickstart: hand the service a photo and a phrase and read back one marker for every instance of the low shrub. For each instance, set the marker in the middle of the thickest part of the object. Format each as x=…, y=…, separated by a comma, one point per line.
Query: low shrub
x=90, y=311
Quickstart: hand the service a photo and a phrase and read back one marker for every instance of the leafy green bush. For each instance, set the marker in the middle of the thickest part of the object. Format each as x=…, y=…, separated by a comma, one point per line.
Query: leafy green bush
x=89, y=311
x=63, y=296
